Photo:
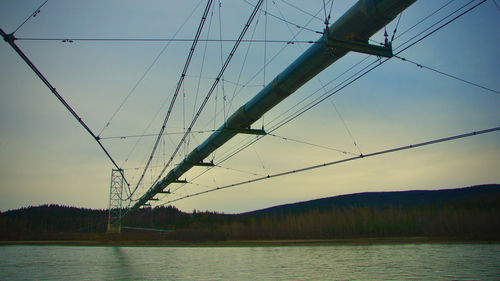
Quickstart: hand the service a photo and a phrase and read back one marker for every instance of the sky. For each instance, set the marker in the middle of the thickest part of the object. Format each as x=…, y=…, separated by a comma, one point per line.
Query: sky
x=46, y=157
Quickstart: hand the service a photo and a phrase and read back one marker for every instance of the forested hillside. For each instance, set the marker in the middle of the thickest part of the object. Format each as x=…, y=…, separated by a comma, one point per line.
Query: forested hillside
x=471, y=213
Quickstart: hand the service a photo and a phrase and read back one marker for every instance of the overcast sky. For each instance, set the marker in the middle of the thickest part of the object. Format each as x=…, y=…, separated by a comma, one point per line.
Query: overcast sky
x=47, y=157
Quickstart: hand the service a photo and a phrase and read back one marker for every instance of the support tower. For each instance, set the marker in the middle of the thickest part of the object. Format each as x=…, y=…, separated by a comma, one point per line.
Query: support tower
x=115, y=201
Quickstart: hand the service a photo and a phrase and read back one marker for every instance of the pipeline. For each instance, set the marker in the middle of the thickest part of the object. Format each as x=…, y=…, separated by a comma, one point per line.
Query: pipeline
x=357, y=25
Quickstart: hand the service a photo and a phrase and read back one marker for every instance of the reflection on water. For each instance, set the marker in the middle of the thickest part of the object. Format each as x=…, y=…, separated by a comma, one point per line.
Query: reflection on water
x=124, y=268
x=365, y=262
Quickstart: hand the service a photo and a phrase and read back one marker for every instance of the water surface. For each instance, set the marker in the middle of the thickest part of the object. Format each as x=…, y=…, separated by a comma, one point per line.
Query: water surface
x=336, y=262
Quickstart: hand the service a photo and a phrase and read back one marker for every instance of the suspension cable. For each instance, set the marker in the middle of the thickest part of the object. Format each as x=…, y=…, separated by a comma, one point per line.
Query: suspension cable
x=169, y=40
x=147, y=69
x=354, y=76
x=496, y=5
x=396, y=27
x=302, y=10
x=322, y=98
x=9, y=38
x=286, y=21
x=155, y=135
x=352, y=81
x=326, y=15
x=34, y=14
x=436, y=23
x=214, y=85
x=243, y=65
x=254, y=140
x=202, y=66
x=331, y=8
x=174, y=97
x=323, y=88
x=355, y=65
x=245, y=85
x=222, y=61
x=164, y=102
x=448, y=75
x=435, y=141
x=311, y=144
x=239, y=170
x=271, y=60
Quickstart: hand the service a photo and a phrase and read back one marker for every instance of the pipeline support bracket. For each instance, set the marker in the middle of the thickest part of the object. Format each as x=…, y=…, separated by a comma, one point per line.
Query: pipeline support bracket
x=179, y=181
x=247, y=131
x=360, y=47
x=205, y=164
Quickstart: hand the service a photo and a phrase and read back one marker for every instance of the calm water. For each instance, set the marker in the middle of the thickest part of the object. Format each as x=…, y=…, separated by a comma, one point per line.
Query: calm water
x=382, y=262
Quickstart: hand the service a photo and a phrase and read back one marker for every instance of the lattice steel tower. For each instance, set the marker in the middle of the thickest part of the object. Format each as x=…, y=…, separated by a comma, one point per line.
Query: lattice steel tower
x=115, y=201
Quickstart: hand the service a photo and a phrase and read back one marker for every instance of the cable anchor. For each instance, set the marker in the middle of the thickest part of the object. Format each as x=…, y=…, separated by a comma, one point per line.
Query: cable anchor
x=9, y=38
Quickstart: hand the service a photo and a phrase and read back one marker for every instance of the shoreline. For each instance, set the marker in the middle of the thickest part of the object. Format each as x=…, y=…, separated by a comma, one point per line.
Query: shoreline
x=254, y=243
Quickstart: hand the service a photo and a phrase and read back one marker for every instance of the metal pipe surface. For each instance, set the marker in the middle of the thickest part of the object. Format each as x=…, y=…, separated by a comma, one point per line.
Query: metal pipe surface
x=358, y=24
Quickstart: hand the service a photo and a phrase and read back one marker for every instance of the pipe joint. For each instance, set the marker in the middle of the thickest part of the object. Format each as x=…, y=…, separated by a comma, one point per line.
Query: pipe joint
x=278, y=90
x=239, y=120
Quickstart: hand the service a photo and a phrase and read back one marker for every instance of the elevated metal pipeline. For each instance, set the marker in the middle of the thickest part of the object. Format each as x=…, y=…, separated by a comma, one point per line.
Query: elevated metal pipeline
x=357, y=25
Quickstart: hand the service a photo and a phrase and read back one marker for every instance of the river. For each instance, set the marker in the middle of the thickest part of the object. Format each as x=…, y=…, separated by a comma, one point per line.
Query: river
x=335, y=262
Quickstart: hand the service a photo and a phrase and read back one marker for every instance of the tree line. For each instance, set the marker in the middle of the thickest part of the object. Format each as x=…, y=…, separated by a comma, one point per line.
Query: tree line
x=472, y=216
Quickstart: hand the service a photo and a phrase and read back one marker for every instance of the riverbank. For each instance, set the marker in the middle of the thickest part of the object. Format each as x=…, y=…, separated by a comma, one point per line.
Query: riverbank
x=254, y=243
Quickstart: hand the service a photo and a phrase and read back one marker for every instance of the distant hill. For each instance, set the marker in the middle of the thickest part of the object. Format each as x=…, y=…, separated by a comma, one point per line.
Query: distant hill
x=470, y=212
x=402, y=199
